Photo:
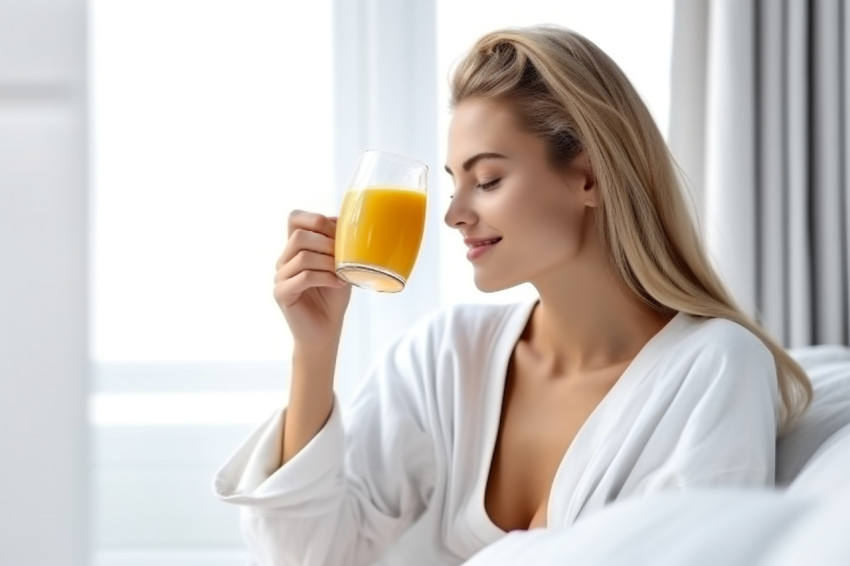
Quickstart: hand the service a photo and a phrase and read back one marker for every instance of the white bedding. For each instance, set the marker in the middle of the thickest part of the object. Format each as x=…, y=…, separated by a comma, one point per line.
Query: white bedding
x=719, y=527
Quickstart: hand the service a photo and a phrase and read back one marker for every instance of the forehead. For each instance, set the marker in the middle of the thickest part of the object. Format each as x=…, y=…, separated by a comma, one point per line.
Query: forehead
x=480, y=126
x=477, y=121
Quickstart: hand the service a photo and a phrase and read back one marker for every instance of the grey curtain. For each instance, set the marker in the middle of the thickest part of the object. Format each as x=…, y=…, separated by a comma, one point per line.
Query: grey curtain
x=760, y=124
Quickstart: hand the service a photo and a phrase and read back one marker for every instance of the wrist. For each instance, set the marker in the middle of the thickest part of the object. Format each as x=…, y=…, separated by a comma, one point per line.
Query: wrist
x=315, y=349
x=314, y=359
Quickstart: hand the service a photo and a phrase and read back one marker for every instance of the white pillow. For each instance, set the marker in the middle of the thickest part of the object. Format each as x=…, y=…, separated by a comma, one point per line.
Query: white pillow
x=829, y=369
x=819, y=537
x=828, y=470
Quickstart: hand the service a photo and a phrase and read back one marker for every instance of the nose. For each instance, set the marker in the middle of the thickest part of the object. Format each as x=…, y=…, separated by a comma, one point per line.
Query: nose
x=459, y=213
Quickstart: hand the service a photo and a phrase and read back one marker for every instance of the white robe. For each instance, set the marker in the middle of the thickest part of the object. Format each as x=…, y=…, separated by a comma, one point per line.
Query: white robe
x=696, y=407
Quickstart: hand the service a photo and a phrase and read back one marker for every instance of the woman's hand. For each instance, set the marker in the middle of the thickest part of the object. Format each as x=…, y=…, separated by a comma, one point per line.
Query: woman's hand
x=310, y=295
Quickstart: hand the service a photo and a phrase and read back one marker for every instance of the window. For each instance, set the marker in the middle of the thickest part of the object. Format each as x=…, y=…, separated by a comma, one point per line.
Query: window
x=207, y=131
x=209, y=122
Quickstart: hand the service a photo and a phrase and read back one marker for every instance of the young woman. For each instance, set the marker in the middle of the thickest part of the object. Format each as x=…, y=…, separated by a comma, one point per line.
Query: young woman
x=633, y=371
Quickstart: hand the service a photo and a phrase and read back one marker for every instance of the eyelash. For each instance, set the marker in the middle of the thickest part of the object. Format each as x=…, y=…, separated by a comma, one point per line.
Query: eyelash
x=488, y=185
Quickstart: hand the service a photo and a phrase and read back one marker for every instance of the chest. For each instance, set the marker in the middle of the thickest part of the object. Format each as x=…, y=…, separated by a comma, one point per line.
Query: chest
x=540, y=418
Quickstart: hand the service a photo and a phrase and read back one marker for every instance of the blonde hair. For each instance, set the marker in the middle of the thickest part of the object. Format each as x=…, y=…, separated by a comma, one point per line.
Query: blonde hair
x=571, y=94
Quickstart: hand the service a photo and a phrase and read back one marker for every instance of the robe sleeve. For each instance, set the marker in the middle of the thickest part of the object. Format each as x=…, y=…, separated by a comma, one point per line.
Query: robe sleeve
x=356, y=486
x=723, y=419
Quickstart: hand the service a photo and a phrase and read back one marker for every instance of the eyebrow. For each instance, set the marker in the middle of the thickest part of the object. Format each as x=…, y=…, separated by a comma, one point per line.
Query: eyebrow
x=469, y=163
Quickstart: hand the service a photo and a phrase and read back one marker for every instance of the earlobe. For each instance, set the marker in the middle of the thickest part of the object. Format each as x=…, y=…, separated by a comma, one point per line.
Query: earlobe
x=591, y=191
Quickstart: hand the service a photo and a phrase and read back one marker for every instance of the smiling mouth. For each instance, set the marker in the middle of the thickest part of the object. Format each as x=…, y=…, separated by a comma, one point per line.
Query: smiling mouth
x=484, y=243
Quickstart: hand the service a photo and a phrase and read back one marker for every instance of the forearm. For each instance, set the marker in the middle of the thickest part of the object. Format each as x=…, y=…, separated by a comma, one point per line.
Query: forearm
x=310, y=398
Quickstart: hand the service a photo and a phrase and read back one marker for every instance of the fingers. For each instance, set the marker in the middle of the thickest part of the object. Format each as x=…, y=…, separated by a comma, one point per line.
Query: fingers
x=299, y=219
x=288, y=291
x=305, y=240
x=308, y=231
x=308, y=257
x=305, y=260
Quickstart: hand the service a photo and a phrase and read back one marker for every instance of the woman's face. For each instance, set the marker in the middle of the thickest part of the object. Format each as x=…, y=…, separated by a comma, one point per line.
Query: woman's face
x=520, y=218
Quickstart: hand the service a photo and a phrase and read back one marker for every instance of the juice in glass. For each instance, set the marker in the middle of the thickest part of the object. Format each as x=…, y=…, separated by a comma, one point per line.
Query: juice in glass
x=378, y=234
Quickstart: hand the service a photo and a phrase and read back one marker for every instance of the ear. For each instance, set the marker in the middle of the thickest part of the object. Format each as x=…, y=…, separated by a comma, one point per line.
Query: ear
x=580, y=176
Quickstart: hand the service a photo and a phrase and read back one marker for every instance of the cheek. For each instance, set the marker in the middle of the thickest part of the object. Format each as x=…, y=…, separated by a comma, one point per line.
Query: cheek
x=553, y=223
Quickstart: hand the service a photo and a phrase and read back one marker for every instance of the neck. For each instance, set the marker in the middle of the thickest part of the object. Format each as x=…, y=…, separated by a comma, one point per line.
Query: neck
x=587, y=320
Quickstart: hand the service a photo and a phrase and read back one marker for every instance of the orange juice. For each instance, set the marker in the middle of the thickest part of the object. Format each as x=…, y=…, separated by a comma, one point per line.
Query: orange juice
x=378, y=234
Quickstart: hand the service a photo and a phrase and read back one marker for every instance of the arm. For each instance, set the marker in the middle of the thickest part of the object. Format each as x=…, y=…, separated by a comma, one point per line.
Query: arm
x=313, y=301
x=310, y=398
x=355, y=486
x=312, y=491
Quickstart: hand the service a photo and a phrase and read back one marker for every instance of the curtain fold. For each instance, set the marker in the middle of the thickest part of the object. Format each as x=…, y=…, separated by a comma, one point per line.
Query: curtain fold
x=829, y=176
x=797, y=326
x=772, y=143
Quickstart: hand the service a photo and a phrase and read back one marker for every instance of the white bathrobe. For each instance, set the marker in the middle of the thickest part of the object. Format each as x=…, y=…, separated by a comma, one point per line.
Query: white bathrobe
x=696, y=407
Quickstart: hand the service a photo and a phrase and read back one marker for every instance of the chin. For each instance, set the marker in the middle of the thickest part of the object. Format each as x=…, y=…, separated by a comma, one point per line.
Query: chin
x=493, y=285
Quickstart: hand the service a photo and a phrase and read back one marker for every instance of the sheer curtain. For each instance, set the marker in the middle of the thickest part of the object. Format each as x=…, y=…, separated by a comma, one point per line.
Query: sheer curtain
x=765, y=148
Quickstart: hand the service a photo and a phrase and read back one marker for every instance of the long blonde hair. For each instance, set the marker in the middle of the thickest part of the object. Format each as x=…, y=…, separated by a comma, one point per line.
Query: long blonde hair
x=571, y=94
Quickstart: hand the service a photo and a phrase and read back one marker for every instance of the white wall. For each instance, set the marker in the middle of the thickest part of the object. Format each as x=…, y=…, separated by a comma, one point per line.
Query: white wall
x=43, y=283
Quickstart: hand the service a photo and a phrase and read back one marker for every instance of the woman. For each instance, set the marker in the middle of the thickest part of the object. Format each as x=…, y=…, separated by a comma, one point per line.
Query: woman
x=633, y=372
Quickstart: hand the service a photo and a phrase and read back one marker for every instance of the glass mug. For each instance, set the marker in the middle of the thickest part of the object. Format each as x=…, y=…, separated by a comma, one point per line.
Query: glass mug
x=381, y=222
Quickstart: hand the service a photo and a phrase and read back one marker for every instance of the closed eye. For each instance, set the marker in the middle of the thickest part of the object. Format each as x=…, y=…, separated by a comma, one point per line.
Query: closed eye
x=488, y=185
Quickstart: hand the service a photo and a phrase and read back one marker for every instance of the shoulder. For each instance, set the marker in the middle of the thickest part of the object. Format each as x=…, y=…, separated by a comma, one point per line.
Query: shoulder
x=725, y=354
x=721, y=337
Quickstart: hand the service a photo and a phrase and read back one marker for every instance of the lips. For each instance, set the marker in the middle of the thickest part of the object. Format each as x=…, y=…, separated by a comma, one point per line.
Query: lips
x=478, y=242
x=479, y=246
x=485, y=243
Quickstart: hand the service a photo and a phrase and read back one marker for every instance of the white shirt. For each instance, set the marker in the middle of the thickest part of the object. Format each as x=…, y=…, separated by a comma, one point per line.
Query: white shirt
x=698, y=406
